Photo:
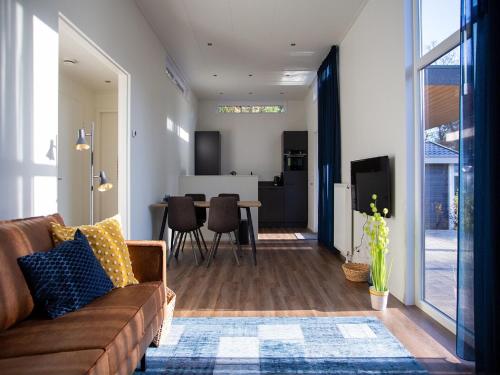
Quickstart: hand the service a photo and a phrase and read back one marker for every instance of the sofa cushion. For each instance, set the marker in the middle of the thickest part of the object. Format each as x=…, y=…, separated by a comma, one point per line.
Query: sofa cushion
x=89, y=362
x=18, y=238
x=135, y=297
x=115, y=322
x=65, y=278
x=108, y=244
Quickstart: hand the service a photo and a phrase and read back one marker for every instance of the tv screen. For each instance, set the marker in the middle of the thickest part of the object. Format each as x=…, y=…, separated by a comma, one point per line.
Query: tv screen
x=368, y=177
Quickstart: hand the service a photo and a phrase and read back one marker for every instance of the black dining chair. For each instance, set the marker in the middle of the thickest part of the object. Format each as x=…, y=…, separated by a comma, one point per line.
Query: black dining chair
x=237, y=196
x=201, y=215
x=223, y=218
x=182, y=219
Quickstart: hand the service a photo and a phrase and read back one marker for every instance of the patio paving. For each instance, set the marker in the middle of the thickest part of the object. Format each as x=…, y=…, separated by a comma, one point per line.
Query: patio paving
x=441, y=270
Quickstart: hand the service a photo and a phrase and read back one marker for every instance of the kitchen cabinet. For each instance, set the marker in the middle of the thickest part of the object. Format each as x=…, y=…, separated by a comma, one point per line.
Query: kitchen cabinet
x=207, y=153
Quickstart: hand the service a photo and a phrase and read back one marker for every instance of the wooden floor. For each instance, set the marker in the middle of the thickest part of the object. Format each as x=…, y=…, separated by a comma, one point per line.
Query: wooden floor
x=300, y=278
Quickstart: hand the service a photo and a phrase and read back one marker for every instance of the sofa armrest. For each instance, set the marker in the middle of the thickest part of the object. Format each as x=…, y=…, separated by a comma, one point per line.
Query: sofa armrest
x=149, y=260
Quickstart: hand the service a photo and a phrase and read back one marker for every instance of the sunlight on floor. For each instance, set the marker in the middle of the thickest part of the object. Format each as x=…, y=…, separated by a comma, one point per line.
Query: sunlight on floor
x=280, y=236
x=277, y=236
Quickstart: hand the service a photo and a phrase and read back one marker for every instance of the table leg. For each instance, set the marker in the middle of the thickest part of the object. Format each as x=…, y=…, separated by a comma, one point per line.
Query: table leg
x=252, y=236
x=163, y=223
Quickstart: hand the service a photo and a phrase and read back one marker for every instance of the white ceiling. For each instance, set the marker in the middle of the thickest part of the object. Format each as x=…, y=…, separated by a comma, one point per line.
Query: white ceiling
x=250, y=37
x=90, y=70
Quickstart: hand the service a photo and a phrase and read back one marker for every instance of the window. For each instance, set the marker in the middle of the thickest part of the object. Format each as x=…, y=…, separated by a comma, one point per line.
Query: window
x=251, y=109
x=439, y=19
x=437, y=76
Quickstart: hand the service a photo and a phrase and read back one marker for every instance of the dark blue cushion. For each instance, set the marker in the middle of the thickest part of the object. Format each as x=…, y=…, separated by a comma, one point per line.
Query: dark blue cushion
x=65, y=278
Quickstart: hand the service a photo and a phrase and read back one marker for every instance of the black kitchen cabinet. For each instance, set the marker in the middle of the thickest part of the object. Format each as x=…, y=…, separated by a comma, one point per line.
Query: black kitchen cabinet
x=272, y=211
x=294, y=149
x=294, y=140
x=295, y=186
x=286, y=205
x=207, y=153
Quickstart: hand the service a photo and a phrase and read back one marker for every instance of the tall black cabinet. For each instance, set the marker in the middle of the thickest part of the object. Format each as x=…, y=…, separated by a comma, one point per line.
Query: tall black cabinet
x=285, y=204
x=294, y=147
x=207, y=153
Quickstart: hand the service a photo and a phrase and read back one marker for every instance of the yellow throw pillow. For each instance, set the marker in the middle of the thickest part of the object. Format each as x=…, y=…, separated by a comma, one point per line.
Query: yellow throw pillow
x=108, y=244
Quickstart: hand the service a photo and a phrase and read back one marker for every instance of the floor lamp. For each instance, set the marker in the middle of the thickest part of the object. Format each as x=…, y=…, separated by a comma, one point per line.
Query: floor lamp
x=104, y=184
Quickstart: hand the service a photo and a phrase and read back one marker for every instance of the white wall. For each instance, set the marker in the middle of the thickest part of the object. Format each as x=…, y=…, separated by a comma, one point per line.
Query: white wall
x=28, y=104
x=77, y=108
x=79, y=105
x=252, y=142
x=311, y=108
x=374, y=118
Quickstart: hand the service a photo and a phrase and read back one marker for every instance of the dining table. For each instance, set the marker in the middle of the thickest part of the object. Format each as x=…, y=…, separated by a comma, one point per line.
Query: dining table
x=247, y=205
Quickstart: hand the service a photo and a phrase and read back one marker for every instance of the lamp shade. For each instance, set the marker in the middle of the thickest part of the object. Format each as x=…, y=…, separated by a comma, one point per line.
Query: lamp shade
x=104, y=184
x=81, y=142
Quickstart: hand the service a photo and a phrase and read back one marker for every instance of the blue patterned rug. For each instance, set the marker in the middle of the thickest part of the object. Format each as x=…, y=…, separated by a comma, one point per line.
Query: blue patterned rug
x=332, y=345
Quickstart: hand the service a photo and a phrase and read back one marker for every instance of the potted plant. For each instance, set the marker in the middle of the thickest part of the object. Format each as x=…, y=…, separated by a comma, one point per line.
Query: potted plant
x=378, y=234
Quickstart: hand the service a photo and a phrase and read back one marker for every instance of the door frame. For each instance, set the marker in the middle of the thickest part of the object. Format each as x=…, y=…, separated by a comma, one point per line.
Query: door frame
x=123, y=111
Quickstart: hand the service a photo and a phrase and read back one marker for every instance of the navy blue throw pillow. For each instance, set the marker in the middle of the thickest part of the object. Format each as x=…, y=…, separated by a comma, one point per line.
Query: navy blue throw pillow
x=65, y=278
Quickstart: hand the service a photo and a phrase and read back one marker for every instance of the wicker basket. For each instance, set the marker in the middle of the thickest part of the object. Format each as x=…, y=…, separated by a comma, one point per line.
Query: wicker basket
x=357, y=272
x=169, y=315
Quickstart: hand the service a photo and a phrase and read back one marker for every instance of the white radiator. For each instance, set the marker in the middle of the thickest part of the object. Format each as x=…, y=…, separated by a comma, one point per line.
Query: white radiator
x=342, y=218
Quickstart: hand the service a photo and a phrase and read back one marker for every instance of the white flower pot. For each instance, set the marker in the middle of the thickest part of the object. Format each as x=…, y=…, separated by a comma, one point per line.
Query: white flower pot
x=379, y=299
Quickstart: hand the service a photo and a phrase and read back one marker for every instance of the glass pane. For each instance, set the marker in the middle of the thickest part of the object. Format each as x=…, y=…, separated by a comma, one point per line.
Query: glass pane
x=440, y=102
x=251, y=109
x=438, y=20
x=465, y=311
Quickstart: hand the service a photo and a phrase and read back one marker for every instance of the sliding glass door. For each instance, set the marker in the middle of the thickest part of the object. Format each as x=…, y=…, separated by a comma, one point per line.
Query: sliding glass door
x=438, y=78
x=440, y=115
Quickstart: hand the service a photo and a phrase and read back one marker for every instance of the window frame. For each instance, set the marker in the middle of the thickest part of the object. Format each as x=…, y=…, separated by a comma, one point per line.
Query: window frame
x=420, y=62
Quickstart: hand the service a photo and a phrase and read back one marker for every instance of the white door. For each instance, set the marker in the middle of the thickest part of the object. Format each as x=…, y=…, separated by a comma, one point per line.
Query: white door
x=106, y=203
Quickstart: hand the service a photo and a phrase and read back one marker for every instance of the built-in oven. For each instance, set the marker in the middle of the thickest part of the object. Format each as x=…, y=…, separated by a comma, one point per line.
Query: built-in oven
x=295, y=160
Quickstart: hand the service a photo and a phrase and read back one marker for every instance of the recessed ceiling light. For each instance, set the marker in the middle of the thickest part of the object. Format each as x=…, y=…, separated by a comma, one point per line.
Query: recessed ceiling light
x=70, y=61
x=107, y=81
x=215, y=75
x=210, y=44
x=250, y=93
x=293, y=44
x=250, y=75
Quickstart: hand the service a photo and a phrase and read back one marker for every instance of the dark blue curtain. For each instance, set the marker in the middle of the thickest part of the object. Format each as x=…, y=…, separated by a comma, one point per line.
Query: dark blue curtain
x=478, y=328
x=328, y=143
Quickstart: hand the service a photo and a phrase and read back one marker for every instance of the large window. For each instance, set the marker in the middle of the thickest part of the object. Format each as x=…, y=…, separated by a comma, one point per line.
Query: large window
x=438, y=78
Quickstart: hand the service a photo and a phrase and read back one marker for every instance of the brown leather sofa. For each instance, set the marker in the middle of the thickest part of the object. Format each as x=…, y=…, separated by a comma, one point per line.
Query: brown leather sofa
x=108, y=336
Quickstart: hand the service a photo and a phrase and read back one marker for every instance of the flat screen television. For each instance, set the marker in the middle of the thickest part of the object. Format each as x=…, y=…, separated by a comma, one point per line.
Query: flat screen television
x=368, y=177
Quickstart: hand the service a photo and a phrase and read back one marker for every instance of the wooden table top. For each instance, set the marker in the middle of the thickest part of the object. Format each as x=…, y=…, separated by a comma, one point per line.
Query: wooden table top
x=206, y=204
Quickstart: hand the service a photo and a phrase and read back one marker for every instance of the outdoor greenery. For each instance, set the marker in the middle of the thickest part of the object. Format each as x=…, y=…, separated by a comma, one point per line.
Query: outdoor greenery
x=251, y=109
x=378, y=233
x=454, y=211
